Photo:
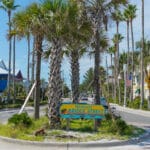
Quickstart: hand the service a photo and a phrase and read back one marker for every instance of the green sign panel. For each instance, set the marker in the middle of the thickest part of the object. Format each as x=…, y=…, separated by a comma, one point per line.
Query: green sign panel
x=78, y=111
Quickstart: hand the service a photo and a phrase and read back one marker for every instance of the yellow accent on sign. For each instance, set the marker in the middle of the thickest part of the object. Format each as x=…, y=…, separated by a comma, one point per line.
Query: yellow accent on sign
x=85, y=109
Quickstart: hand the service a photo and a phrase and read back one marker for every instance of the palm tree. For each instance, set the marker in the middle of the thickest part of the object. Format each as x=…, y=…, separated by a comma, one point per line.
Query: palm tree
x=132, y=14
x=117, y=17
x=36, y=17
x=9, y=6
x=29, y=22
x=13, y=35
x=116, y=40
x=56, y=29
x=76, y=42
x=87, y=84
x=142, y=70
x=98, y=12
x=111, y=51
x=21, y=21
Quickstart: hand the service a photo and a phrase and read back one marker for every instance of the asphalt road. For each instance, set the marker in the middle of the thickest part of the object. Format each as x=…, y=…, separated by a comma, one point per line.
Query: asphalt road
x=135, y=117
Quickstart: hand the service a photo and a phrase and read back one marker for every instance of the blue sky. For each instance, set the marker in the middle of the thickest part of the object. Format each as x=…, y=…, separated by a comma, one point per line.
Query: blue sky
x=85, y=62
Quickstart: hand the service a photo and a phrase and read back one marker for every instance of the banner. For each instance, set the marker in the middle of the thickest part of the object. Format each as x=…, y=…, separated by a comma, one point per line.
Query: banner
x=129, y=79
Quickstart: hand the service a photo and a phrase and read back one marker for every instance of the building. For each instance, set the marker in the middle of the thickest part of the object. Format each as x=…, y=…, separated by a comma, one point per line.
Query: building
x=137, y=84
x=4, y=76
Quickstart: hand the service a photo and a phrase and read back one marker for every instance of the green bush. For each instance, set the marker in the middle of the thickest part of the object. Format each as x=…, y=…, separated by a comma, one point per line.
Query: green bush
x=116, y=127
x=121, y=126
x=20, y=119
x=136, y=103
x=108, y=116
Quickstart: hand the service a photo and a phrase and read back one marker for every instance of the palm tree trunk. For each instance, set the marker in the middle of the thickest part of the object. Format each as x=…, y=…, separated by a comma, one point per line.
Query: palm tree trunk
x=33, y=66
x=96, y=69
x=33, y=61
x=28, y=63
x=14, y=67
x=54, y=95
x=132, y=59
x=75, y=75
x=107, y=78
x=128, y=49
x=9, y=64
x=112, y=78
x=38, y=43
x=142, y=67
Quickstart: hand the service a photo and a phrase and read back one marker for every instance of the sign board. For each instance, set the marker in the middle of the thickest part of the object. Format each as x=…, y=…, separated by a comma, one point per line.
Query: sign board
x=86, y=111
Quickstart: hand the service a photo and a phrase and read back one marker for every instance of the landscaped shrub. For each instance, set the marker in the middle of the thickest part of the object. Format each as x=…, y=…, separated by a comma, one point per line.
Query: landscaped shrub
x=20, y=119
x=116, y=126
x=136, y=103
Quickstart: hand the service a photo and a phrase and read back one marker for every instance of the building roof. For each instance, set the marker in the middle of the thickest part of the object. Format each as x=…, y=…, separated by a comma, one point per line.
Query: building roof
x=2, y=65
x=3, y=71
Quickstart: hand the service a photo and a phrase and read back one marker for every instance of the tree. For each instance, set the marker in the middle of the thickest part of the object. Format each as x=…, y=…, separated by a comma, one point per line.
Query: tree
x=9, y=6
x=13, y=35
x=117, y=17
x=76, y=42
x=116, y=40
x=22, y=23
x=29, y=22
x=36, y=17
x=111, y=51
x=132, y=14
x=99, y=12
x=56, y=28
x=142, y=70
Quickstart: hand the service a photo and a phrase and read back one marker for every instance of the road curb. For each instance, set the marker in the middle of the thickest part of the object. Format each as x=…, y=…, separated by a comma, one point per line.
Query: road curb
x=77, y=144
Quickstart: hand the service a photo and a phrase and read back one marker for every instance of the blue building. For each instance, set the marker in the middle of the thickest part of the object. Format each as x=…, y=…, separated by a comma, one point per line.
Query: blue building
x=4, y=76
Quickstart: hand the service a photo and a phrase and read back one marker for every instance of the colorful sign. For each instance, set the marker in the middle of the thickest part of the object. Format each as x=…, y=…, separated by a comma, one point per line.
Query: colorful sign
x=78, y=111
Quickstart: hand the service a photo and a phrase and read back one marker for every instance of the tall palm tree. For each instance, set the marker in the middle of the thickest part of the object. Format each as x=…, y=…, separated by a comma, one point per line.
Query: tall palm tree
x=36, y=17
x=127, y=19
x=79, y=36
x=29, y=22
x=98, y=12
x=142, y=70
x=132, y=14
x=117, y=17
x=13, y=35
x=9, y=6
x=21, y=21
x=56, y=29
x=111, y=51
x=116, y=40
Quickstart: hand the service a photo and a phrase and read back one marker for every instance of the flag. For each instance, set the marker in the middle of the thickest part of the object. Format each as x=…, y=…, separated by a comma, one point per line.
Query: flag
x=129, y=79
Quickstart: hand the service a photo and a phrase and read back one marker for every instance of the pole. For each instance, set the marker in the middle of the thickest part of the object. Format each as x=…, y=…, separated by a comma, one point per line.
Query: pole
x=27, y=98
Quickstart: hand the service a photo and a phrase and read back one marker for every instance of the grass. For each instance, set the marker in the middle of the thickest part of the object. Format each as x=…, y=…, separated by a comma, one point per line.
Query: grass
x=80, y=130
